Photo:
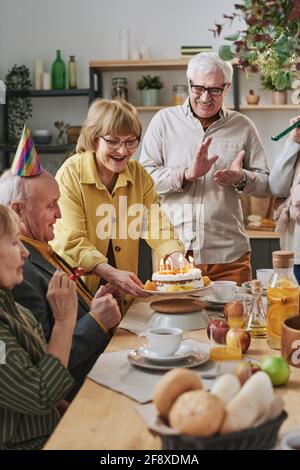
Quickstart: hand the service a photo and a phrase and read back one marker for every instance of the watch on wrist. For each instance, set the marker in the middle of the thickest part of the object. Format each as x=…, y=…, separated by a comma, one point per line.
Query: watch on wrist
x=240, y=185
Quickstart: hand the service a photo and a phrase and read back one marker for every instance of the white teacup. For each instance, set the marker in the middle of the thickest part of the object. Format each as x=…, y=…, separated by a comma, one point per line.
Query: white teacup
x=264, y=275
x=224, y=290
x=163, y=341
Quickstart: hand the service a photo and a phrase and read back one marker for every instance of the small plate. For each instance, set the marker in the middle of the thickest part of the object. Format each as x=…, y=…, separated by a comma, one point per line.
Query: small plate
x=181, y=353
x=193, y=360
x=247, y=285
x=180, y=292
x=212, y=300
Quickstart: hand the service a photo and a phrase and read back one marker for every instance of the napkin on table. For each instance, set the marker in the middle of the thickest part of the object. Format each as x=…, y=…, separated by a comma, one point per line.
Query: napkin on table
x=114, y=371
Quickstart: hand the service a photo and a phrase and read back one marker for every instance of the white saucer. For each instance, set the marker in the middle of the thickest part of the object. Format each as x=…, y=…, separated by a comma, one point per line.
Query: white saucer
x=212, y=300
x=180, y=354
x=247, y=285
x=193, y=360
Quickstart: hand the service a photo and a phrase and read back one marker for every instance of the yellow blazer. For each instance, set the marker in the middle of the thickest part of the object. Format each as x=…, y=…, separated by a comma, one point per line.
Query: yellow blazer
x=91, y=216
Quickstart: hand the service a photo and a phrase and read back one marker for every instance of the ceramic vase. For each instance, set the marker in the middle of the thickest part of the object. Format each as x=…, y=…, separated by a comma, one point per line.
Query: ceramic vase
x=279, y=97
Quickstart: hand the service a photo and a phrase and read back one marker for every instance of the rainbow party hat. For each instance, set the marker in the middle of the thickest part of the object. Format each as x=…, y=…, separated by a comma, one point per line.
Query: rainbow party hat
x=26, y=161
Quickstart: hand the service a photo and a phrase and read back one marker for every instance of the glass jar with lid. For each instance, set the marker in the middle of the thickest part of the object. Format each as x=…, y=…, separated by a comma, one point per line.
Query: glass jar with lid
x=179, y=95
x=119, y=88
x=282, y=295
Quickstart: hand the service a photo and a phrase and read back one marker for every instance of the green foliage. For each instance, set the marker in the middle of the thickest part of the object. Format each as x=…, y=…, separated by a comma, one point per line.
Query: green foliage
x=275, y=75
x=19, y=107
x=147, y=83
x=270, y=43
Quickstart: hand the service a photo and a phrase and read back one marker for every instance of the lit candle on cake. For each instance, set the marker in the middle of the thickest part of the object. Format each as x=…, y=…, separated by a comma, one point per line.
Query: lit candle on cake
x=167, y=265
x=191, y=260
x=161, y=265
x=180, y=259
x=171, y=264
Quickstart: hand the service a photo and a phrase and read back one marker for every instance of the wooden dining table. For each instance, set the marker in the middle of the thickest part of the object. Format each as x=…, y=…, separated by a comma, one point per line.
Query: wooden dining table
x=102, y=419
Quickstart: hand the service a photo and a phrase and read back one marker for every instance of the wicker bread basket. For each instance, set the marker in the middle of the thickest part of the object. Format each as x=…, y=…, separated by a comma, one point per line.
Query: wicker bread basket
x=260, y=437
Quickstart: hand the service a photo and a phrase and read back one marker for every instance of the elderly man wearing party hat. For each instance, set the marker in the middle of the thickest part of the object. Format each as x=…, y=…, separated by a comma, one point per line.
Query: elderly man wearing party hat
x=33, y=194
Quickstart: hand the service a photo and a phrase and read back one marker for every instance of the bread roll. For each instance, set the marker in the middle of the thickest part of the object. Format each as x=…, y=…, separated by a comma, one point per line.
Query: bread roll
x=174, y=383
x=197, y=413
x=226, y=387
x=252, y=401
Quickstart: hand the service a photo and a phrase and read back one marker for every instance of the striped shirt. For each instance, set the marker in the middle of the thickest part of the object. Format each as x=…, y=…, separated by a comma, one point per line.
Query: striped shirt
x=31, y=382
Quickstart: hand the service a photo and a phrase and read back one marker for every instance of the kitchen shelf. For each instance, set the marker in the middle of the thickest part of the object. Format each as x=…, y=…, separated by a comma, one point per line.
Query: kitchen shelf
x=98, y=67
x=49, y=93
x=6, y=148
x=54, y=148
x=269, y=107
x=113, y=65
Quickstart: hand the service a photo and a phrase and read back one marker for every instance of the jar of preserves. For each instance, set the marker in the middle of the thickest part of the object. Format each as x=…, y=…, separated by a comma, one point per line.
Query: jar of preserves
x=180, y=93
x=119, y=88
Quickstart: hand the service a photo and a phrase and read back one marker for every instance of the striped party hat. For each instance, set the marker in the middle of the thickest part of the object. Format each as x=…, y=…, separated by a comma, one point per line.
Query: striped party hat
x=26, y=161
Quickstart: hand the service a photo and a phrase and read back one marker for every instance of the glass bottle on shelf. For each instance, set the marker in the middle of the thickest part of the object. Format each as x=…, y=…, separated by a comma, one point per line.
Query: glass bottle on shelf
x=282, y=296
x=257, y=319
x=179, y=95
x=58, y=73
x=119, y=88
x=72, y=72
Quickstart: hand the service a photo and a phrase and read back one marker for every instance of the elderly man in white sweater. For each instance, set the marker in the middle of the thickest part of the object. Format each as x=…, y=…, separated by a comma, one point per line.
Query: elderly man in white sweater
x=201, y=157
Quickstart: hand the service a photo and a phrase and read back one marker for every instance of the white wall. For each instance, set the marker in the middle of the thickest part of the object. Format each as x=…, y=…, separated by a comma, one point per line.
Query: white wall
x=89, y=29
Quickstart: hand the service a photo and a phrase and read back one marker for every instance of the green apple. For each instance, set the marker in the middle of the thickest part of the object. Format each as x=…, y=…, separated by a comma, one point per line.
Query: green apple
x=277, y=369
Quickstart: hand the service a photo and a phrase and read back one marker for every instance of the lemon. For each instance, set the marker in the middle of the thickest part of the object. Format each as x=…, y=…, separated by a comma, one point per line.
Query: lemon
x=277, y=369
x=174, y=288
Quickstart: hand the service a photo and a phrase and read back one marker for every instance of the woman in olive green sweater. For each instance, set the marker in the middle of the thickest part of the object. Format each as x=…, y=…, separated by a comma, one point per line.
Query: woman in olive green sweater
x=33, y=375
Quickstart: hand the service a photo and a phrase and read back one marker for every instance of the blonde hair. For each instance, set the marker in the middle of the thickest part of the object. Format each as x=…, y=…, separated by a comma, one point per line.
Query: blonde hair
x=8, y=221
x=115, y=117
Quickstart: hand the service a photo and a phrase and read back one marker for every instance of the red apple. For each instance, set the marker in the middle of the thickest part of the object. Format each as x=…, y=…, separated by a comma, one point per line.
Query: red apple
x=234, y=314
x=237, y=336
x=255, y=367
x=218, y=329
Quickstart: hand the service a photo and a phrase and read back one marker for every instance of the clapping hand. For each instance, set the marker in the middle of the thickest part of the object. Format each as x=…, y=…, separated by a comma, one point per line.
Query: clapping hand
x=234, y=174
x=202, y=163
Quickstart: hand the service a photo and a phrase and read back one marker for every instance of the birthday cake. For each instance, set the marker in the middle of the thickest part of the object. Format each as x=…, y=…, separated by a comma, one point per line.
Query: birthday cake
x=185, y=278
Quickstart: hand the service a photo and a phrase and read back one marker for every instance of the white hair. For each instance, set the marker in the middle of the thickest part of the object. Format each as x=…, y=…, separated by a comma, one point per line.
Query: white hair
x=209, y=62
x=12, y=188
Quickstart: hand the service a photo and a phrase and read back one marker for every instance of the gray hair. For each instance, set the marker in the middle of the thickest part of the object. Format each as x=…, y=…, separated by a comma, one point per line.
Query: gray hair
x=12, y=188
x=209, y=62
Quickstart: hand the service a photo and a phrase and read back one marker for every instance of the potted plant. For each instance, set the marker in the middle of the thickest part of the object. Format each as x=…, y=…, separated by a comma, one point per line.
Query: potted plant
x=19, y=104
x=270, y=42
x=275, y=76
x=150, y=89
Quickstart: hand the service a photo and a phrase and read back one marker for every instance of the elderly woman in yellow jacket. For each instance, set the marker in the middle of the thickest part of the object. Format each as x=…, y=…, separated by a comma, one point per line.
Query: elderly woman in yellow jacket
x=108, y=202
